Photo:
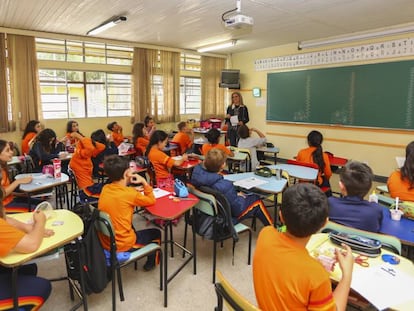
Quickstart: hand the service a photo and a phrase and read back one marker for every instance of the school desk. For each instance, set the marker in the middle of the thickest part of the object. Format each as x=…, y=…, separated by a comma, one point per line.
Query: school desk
x=70, y=229
x=269, y=153
x=403, y=229
x=380, y=283
x=169, y=209
x=42, y=182
x=297, y=171
x=271, y=186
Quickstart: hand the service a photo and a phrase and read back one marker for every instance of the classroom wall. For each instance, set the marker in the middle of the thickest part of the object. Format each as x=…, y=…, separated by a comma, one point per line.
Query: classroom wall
x=376, y=147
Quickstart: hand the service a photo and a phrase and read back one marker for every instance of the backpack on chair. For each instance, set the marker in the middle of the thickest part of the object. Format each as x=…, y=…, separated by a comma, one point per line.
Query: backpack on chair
x=94, y=268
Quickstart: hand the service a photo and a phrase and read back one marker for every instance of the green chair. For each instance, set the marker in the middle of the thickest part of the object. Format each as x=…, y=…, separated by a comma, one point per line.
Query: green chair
x=232, y=298
x=389, y=242
x=208, y=205
x=104, y=227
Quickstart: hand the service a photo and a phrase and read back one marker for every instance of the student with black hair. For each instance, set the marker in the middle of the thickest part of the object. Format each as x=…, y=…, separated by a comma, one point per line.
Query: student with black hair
x=33, y=127
x=149, y=125
x=119, y=201
x=110, y=148
x=355, y=181
x=213, y=137
x=285, y=275
x=401, y=182
x=45, y=148
x=314, y=154
x=116, y=133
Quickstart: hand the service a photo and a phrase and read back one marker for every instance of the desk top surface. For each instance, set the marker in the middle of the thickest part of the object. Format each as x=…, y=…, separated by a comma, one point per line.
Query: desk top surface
x=71, y=228
x=297, y=171
x=269, y=149
x=168, y=209
x=403, y=229
x=273, y=185
x=41, y=181
x=363, y=278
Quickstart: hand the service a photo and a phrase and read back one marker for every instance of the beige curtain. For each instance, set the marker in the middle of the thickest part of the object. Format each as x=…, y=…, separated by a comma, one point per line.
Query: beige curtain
x=170, y=72
x=142, y=71
x=24, y=77
x=4, y=122
x=146, y=64
x=212, y=97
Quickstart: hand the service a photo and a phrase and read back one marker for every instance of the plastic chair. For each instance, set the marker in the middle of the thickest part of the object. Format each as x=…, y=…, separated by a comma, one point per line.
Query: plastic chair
x=208, y=204
x=225, y=291
x=104, y=227
x=389, y=242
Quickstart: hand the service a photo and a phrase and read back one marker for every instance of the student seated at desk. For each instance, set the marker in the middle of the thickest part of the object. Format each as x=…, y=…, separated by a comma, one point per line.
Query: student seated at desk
x=82, y=166
x=314, y=154
x=149, y=125
x=116, y=133
x=184, y=138
x=45, y=148
x=213, y=137
x=32, y=291
x=119, y=201
x=352, y=210
x=110, y=148
x=10, y=202
x=162, y=162
x=401, y=182
x=251, y=143
x=242, y=205
x=140, y=138
x=72, y=126
x=33, y=127
x=285, y=276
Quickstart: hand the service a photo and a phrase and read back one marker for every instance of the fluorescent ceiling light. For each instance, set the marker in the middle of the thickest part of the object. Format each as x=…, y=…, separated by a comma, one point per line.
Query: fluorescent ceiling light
x=217, y=46
x=356, y=37
x=108, y=24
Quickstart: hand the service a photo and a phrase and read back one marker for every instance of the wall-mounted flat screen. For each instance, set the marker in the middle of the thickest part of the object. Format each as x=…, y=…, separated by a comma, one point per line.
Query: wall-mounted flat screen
x=230, y=78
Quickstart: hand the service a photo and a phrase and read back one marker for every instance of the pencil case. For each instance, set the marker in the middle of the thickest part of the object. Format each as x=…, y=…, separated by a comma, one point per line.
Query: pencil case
x=359, y=244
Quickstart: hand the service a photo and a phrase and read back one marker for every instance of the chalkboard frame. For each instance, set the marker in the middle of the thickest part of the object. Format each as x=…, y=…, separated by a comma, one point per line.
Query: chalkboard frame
x=379, y=95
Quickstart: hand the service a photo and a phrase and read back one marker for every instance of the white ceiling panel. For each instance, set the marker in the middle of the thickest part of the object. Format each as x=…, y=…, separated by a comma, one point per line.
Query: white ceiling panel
x=188, y=24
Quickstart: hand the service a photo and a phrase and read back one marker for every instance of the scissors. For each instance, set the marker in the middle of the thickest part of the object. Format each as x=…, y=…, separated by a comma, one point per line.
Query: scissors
x=362, y=261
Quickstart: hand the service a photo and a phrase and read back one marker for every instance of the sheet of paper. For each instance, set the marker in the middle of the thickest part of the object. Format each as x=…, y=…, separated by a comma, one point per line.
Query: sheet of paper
x=234, y=120
x=250, y=182
x=384, y=286
x=159, y=193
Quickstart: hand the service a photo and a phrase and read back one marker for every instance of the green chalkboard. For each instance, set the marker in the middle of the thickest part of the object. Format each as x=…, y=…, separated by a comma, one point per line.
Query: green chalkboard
x=374, y=95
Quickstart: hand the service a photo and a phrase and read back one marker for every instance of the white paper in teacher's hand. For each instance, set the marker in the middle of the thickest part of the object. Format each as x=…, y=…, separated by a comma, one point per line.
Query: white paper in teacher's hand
x=234, y=120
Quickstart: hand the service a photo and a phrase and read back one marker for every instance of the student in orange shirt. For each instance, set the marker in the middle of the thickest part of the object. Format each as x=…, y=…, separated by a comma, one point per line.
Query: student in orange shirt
x=213, y=137
x=184, y=137
x=82, y=166
x=9, y=201
x=29, y=134
x=314, y=154
x=140, y=138
x=119, y=201
x=160, y=160
x=285, y=276
x=401, y=182
x=20, y=237
x=116, y=132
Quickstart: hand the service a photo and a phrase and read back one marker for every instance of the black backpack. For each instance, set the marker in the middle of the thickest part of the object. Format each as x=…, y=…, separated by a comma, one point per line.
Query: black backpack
x=95, y=271
x=219, y=227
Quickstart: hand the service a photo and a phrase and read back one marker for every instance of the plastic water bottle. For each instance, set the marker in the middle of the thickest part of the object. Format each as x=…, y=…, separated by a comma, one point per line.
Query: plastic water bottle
x=373, y=197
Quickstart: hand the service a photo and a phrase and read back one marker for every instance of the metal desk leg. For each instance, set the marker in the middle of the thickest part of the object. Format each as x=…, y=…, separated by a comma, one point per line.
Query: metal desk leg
x=166, y=263
x=14, y=289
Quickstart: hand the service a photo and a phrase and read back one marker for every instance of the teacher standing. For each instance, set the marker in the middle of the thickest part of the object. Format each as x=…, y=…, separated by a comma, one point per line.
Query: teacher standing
x=237, y=114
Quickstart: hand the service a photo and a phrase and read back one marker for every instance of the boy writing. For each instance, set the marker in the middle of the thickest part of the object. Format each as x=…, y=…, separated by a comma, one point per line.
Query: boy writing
x=119, y=201
x=352, y=210
x=285, y=276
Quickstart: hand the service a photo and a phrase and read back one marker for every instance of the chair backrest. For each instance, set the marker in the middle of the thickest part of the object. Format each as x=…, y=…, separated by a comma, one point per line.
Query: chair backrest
x=207, y=203
x=225, y=291
x=389, y=242
x=104, y=227
x=151, y=174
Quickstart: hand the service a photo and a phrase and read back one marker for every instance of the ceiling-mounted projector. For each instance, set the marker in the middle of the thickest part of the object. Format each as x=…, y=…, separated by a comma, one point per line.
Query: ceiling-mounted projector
x=238, y=21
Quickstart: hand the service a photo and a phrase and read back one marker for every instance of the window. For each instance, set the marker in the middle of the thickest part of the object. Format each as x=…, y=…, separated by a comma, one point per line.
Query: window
x=190, y=62
x=68, y=93
x=190, y=95
x=78, y=94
